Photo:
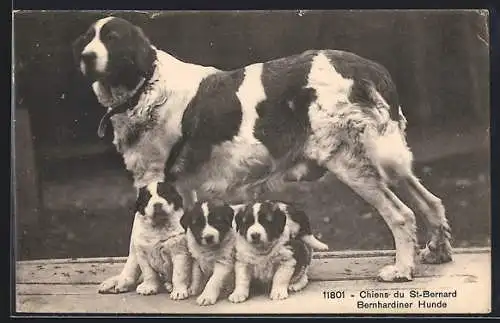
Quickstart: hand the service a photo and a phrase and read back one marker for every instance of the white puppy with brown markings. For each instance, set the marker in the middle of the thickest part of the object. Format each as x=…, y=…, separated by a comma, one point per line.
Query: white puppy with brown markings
x=211, y=242
x=273, y=245
x=158, y=243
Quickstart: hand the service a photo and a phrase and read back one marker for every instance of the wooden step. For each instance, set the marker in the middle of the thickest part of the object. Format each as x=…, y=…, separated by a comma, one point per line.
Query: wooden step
x=70, y=286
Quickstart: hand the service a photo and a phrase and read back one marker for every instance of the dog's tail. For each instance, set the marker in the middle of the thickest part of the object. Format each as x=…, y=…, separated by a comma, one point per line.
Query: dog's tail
x=314, y=243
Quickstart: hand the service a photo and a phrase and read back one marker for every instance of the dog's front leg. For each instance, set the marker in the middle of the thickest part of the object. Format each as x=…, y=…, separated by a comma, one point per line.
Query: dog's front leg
x=180, y=276
x=281, y=279
x=242, y=282
x=214, y=284
x=128, y=277
x=196, y=279
x=151, y=280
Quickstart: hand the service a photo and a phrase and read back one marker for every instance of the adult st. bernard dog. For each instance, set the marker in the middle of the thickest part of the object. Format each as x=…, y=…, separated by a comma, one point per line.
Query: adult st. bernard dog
x=228, y=134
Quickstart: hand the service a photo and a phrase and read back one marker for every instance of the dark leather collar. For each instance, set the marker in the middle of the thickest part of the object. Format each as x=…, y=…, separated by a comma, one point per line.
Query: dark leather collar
x=129, y=104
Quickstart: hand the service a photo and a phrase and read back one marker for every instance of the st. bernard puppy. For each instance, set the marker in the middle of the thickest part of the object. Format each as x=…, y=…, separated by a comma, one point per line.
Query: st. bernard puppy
x=266, y=251
x=211, y=242
x=234, y=134
x=159, y=244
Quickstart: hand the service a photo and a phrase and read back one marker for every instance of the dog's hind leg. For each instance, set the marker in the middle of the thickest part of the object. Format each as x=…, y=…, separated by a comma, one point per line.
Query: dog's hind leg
x=438, y=249
x=365, y=180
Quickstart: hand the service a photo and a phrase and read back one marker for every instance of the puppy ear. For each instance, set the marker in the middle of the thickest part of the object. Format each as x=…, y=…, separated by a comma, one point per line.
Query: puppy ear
x=145, y=55
x=142, y=200
x=228, y=214
x=77, y=48
x=185, y=219
x=238, y=212
x=298, y=216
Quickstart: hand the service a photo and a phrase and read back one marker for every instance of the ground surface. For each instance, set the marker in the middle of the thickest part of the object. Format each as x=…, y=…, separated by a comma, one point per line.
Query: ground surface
x=88, y=203
x=339, y=282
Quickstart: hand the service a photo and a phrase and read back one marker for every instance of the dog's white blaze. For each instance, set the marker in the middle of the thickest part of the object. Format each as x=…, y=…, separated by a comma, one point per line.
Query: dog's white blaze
x=208, y=230
x=256, y=227
x=250, y=93
x=97, y=47
x=157, y=199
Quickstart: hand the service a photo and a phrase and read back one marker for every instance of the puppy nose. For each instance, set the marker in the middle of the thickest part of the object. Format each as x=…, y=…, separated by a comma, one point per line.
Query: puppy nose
x=88, y=57
x=209, y=239
x=158, y=208
x=255, y=236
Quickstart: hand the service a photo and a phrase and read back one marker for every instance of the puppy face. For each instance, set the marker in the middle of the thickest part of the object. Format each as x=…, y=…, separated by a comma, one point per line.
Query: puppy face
x=209, y=222
x=157, y=203
x=260, y=223
x=115, y=51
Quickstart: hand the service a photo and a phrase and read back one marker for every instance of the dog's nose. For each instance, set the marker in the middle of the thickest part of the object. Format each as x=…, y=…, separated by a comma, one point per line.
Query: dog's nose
x=158, y=208
x=209, y=239
x=255, y=236
x=88, y=57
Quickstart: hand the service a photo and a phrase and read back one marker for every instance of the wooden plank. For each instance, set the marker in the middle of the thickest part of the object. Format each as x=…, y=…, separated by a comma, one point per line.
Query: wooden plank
x=84, y=299
x=316, y=255
x=327, y=268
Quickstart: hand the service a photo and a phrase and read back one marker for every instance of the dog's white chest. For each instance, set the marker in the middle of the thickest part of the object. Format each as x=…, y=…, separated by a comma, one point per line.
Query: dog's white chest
x=262, y=267
x=206, y=258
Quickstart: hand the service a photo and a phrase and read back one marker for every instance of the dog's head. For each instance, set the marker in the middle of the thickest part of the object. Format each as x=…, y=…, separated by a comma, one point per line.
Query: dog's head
x=158, y=204
x=208, y=221
x=114, y=51
x=261, y=223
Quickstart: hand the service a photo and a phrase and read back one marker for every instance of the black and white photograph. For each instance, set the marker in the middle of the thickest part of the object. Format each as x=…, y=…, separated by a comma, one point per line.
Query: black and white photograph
x=251, y=162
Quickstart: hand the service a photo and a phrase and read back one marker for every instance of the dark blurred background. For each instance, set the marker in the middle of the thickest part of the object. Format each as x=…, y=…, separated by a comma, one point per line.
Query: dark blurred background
x=74, y=197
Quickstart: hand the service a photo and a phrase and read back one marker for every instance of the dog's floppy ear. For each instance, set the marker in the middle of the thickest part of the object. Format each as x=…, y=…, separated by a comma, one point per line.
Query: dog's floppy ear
x=142, y=200
x=238, y=212
x=228, y=214
x=77, y=48
x=300, y=217
x=186, y=219
x=145, y=55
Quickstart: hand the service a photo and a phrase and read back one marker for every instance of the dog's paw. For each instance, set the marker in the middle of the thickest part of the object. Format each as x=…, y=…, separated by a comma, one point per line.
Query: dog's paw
x=295, y=287
x=391, y=273
x=168, y=286
x=207, y=298
x=238, y=296
x=433, y=254
x=278, y=293
x=116, y=284
x=148, y=288
x=179, y=293
x=194, y=290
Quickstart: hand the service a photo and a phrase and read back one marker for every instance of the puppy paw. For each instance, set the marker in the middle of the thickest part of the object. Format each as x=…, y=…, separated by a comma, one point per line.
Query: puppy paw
x=179, y=293
x=238, y=296
x=148, y=288
x=168, y=286
x=207, y=298
x=433, y=254
x=278, y=293
x=391, y=273
x=116, y=284
x=295, y=287
x=194, y=290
